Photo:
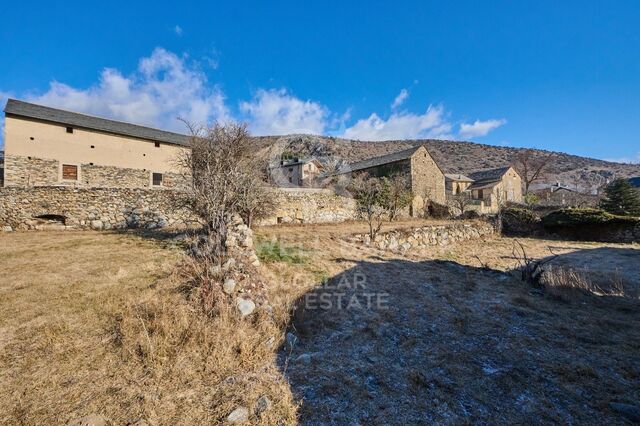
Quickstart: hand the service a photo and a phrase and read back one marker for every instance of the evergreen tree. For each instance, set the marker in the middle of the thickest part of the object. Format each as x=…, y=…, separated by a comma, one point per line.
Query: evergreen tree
x=621, y=199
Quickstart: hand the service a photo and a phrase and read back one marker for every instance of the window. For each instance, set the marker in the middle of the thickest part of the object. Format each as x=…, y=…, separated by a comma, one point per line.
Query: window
x=480, y=194
x=69, y=172
x=157, y=144
x=290, y=179
x=93, y=146
x=290, y=169
x=156, y=179
x=69, y=129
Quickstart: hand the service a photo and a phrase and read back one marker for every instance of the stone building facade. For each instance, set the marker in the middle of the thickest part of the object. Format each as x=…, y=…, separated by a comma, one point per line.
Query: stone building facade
x=48, y=146
x=425, y=177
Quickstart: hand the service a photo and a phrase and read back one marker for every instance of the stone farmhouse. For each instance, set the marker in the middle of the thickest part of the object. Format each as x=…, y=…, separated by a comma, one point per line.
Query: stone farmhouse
x=295, y=172
x=488, y=189
x=426, y=179
x=52, y=147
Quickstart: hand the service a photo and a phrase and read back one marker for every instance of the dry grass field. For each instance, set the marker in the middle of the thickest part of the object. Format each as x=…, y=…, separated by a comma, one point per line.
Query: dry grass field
x=99, y=323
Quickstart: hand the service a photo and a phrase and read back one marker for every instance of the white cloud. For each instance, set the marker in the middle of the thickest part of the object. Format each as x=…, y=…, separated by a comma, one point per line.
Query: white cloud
x=399, y=100
x=276, y=112
x=164, y=87
x=480, y=128
x=402, y=125
x=627, y=160
x=178, y=30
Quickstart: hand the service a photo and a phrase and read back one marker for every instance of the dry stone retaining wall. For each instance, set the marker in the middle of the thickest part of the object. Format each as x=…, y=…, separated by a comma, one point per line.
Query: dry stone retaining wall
x=61, y=207
x=310, y=205
x=403, y=241
x=49, y=207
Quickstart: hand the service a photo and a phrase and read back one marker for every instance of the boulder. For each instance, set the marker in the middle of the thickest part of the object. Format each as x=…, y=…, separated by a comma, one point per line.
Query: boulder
x=238, y=416
x=229, y=285
x=90, y=420
x=245, y=306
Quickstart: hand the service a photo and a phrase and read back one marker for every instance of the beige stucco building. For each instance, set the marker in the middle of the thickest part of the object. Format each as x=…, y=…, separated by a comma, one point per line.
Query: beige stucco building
x=48, y=146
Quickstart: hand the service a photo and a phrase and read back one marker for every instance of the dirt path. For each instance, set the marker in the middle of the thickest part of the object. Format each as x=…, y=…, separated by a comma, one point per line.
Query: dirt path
x=440, y=341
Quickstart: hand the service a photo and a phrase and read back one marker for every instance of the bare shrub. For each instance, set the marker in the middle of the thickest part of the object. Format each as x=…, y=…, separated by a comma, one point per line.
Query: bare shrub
x=566, y=283
x=458, y=203
x=225, y=179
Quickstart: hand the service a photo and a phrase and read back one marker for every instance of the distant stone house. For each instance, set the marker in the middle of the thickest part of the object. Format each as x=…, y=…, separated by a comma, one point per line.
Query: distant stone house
x=425, y=177
x=486, y=189
x=53, y=147
x=456, y=183
x=296, y=172
x=495, y=187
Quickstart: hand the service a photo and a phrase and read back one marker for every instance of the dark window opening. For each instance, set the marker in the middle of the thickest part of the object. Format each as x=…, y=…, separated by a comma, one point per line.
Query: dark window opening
x=279, y=220
x=290, y=179
x=144, y=155
x=93, y=146
x=157, y=179
x=91, y=164
x=69, y=172
x=157, y=144
x=32, y=138
x=69, y=129
x=480, y=194
x=52, y=218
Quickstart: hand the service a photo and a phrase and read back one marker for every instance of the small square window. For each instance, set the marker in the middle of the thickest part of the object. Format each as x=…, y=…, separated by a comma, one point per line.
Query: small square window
x=157, y=144
x=93, y=146
x=69, y=129
x=156, y=179
x=69, y=172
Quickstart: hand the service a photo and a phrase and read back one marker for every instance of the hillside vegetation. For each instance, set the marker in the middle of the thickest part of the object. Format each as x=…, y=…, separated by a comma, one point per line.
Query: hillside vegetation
x=452, y=156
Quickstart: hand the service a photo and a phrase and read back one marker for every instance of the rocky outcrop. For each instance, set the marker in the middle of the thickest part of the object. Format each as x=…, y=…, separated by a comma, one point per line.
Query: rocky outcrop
x=402, y=241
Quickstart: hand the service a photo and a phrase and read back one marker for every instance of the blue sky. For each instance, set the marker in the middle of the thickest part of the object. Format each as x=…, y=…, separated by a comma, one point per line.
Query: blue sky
x=546, y=74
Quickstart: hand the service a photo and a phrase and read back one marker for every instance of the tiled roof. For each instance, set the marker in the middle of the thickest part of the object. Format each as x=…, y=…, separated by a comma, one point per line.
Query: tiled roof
x=74, y=119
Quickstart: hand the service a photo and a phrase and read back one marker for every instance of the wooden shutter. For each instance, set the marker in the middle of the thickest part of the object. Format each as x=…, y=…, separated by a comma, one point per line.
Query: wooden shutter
x=69, y=172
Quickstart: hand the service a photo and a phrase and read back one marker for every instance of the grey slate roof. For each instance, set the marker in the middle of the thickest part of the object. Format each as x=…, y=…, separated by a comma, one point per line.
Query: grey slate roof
x=74, y=119
x=458, y=177
x=489, y=175
x=378, y=161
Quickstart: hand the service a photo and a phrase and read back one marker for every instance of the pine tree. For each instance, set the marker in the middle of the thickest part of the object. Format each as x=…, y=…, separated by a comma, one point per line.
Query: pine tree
x=621, y=199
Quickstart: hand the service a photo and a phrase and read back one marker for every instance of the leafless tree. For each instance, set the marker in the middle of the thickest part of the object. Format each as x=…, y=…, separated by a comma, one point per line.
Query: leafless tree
x=371, y=197
x=224, y=179
x=532, y=165
x=399, y=195
x=459, y=202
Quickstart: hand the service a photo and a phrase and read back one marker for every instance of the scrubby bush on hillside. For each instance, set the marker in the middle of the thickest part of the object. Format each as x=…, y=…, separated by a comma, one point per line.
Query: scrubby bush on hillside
x=621, y=199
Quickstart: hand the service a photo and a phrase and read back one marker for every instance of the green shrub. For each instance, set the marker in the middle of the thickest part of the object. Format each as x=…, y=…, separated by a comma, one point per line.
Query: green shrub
x=274, y=251
x=621, y=199
x=581, y=217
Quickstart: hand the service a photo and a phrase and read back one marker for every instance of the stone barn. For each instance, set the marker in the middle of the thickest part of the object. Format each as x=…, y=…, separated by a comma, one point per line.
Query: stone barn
x=425, y=177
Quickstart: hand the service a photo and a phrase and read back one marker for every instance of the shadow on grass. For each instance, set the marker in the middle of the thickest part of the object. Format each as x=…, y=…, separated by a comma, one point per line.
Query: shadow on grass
x=402, y=342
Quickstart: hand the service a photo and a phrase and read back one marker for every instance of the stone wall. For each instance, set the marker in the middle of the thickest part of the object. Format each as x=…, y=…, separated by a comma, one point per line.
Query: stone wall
x=308, y=205
x=403, y=241
x=29, y=171
x=96, y=208
x=32, y=171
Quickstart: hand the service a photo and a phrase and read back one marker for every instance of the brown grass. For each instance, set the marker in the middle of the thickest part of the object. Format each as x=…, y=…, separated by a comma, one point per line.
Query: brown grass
x=97, y=323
